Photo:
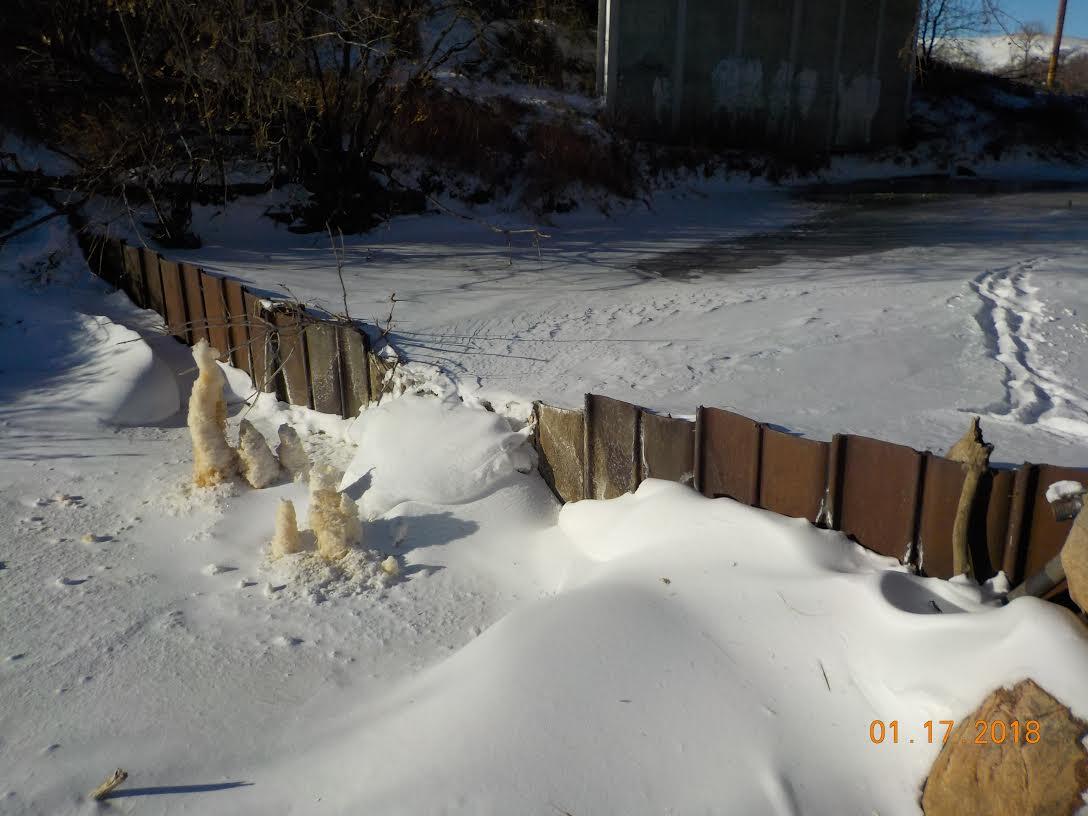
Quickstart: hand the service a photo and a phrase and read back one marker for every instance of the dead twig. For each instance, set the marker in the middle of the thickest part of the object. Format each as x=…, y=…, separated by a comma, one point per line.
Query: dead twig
x=338, y=254
x=389, y=318
x=113, y=781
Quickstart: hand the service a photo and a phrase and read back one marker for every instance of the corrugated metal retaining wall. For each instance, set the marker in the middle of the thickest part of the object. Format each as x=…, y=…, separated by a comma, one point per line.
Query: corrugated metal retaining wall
x=317, y=362
x=890, y=498
x=801, y=75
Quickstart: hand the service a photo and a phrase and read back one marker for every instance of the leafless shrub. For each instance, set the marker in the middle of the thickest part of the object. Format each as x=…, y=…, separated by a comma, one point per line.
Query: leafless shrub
x=561, y=154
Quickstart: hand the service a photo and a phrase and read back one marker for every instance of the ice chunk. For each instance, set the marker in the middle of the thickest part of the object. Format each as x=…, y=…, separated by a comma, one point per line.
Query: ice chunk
x=259, y=466
x=214, y=461
x=292, y=455
x=286, y=539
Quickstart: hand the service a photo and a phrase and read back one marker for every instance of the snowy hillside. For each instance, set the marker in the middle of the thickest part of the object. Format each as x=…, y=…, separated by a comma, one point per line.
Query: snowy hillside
x=996, y=53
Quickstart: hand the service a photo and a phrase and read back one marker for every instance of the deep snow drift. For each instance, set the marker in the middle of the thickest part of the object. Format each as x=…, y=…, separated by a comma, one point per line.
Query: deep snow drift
x=658, y=653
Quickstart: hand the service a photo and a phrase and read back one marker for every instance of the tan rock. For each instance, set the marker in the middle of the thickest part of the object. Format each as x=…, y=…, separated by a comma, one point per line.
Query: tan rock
x=1075, y=560
x=1014, y=777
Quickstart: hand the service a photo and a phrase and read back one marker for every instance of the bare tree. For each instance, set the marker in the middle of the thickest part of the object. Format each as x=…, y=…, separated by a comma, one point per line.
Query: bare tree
x=1022, y=47
x=944, y=25
x=156, y=100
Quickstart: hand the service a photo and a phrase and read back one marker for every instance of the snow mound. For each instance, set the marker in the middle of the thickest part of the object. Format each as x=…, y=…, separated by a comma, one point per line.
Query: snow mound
x=629, y=524
x=719, y=660
x=110, y=372
x=135, y=387
x=431, y=451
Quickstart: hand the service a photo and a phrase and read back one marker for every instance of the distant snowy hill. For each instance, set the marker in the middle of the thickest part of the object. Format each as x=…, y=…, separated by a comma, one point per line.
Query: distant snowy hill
x=996, y=53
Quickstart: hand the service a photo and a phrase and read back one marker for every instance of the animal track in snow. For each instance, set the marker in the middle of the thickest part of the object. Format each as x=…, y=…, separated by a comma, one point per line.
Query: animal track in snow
x=1010, y=317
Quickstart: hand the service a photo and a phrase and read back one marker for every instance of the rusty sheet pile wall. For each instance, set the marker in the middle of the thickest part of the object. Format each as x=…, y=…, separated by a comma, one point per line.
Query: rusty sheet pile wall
x=314, y=361
x=890, y=498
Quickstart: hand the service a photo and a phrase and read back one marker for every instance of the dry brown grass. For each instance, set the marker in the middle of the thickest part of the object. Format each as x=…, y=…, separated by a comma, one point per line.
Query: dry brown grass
x=560, y=154
x=465, y=134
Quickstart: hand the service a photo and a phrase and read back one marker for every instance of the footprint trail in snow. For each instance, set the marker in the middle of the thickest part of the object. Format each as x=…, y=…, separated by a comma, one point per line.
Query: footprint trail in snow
x=1011, y=316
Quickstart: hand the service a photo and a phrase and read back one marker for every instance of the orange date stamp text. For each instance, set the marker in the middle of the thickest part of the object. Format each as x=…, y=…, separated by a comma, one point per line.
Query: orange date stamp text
x=986, y=732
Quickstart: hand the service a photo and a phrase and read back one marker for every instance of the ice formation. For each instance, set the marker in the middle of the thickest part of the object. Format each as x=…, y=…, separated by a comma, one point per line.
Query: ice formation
x=214, y=461
x=334, y=519
x=258, y=464
x=286, y=539
x=973, y=452
x=292, y=455
x=353, y=525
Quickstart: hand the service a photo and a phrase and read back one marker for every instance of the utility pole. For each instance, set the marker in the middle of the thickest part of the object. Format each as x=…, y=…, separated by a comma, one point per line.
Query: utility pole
x=1053, y=69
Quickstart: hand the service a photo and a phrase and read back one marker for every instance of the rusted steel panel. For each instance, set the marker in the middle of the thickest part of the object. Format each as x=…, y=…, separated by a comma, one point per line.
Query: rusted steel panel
x=261, y=353
x=103, y=257
x=108, y=263
x=560, y=443
x=611, y=443
x=793, y=475
x=194, y=302
x=941, y=492
x=728, y=455
x=291, y=356
x=156, y=302
x=238, y=323
x=132, y=276
x=986, y=530
x=215, y=313
x=1046, y=535
x=836, y=456
x=174, y=298
x=1012, y=559
x=667, y=448
x=354, y=369
x=879, y=493
x=998, y=490
x=114, y=263
x=323, y=358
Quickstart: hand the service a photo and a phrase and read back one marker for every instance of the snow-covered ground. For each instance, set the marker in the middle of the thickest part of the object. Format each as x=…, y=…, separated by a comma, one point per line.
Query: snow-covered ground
x=892, y=316
x=658, y=653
